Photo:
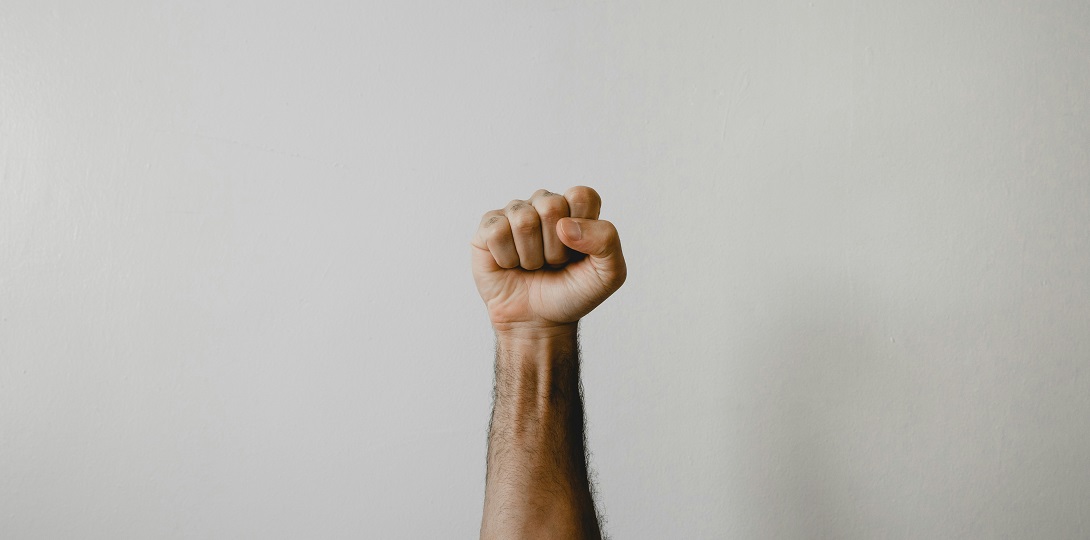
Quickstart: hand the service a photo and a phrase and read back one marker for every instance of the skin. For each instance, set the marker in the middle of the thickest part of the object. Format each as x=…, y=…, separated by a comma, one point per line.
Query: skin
x=538, y=275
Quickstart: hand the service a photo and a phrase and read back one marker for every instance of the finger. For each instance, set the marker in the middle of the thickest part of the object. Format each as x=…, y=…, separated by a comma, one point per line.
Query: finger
x=526, y=228
x=583, y=202
x=494, y=235
x=597, y=238
x=550, y=208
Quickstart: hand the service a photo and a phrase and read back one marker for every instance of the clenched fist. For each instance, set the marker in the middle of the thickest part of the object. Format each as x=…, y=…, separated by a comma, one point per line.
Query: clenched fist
x=543, y=263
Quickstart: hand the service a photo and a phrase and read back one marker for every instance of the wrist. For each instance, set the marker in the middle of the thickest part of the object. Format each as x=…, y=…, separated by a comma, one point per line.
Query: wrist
x=533, y=363
x=514, y=333
x=535, y=344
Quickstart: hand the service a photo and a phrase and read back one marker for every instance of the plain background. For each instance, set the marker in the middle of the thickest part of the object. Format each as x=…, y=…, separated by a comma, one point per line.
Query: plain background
x=235, y=299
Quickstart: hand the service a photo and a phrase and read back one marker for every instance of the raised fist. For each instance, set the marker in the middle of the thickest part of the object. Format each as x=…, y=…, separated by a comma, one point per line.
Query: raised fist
x=545, y=262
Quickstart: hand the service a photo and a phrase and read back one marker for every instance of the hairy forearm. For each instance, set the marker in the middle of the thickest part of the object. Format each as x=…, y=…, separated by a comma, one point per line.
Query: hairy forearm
x=537, y=484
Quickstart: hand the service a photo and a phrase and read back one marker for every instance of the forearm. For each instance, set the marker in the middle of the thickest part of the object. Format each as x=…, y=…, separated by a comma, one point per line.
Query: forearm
x=540, y=266
x=537, y=484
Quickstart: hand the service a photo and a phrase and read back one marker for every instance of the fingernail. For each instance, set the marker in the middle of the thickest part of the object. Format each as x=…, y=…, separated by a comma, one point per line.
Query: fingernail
x=572, y=230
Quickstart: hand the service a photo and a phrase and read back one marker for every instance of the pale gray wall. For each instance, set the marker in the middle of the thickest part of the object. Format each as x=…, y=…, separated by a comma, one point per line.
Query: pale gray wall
x=234, y=289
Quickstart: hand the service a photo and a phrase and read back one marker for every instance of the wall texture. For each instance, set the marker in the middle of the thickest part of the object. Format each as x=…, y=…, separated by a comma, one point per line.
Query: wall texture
x=234, y=289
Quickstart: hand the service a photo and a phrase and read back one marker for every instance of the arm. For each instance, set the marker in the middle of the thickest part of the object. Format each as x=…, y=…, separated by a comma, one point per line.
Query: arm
x=537, y=483
x=538, y=277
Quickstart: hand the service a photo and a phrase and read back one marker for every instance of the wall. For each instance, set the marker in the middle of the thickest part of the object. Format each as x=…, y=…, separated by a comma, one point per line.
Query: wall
x=234, y=289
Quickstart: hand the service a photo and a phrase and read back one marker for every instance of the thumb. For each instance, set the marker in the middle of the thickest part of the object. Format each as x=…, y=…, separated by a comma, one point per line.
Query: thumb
x=597, y=238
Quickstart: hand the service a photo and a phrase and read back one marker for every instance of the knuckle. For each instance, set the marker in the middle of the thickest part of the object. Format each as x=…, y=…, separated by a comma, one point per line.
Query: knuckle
x=552, y=209
x=524, y=227
x=524, y=221
x=491, y=218
x=544, y=194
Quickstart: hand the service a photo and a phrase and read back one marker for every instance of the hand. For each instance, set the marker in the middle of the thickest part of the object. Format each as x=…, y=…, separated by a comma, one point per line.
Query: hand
x=543, y=263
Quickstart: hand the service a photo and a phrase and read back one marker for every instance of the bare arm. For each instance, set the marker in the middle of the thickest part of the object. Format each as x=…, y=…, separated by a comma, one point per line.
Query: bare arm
x=537, y=484
x=538, y=277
